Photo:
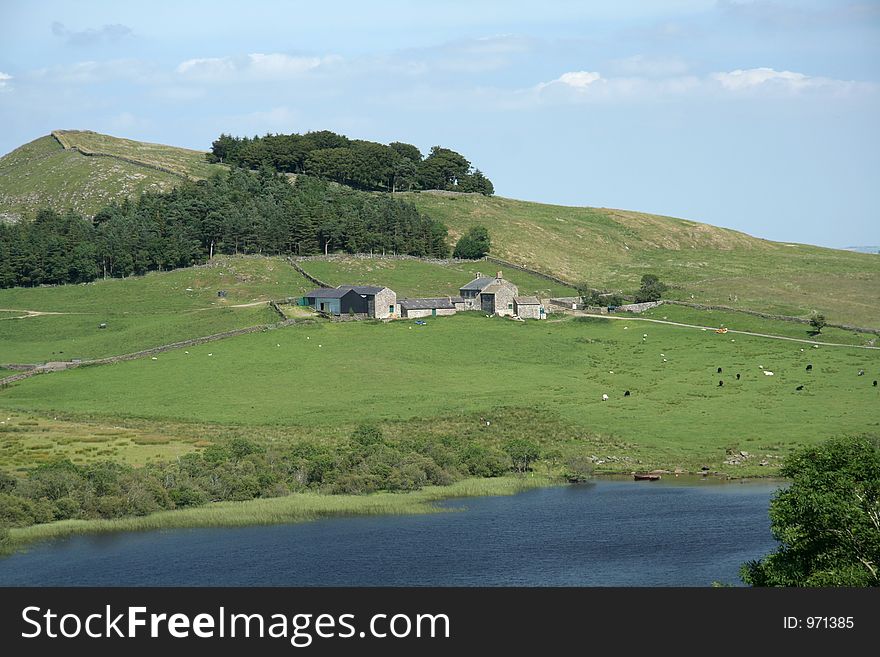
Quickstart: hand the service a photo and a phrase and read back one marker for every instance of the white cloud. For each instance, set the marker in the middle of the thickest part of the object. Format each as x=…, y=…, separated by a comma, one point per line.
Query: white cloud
x=580, y=80
x=754, y=77
x=255, y=66
x=4, y=80
x=207, y=67
x=768, y=80
x=590, y=86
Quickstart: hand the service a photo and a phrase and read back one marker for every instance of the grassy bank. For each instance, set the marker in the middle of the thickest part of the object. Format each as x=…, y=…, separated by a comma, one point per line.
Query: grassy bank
x=298, y=507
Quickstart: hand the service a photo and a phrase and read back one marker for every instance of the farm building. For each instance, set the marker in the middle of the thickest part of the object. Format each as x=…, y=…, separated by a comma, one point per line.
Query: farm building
x=528, y=308
x=378, y=302
x=489, y=295
x=412, y=308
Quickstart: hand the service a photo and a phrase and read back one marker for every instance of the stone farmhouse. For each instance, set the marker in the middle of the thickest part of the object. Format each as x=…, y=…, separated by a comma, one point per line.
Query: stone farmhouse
x=370, y=301
x=490, y=295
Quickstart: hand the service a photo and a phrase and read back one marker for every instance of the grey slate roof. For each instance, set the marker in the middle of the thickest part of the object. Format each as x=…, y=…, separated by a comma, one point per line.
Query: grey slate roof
x=342, y=290
x=363, y=289
x=427, y=304
x=478, y=283
x=527, y=301
x=328, y=293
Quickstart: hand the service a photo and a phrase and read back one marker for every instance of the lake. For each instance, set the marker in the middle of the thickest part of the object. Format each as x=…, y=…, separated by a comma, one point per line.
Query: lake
x=602, y=533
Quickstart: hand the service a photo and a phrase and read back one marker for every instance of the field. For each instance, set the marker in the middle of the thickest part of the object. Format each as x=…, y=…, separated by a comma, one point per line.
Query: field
x=710, y=265
x=739, y=321
x=543, y=380
x=414, y=278
x=141, y=312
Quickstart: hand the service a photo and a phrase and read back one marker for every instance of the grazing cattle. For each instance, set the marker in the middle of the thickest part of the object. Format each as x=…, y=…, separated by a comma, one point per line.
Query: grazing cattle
x=875, y=384
x=719, y=370
x=737, y=377
x=861, y=372
x=768, y=373
x=604, y=397
x=809, y=368
x=626, y=394
x=799, y=388
x=720, y=383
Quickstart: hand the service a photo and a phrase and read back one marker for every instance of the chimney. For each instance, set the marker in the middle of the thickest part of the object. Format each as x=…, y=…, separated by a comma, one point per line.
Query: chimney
x=498, y=276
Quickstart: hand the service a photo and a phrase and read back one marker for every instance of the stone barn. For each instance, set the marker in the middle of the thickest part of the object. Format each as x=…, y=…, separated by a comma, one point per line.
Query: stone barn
x=370, y=301
x=528, y=308
x=489, y=295
x=414, y=308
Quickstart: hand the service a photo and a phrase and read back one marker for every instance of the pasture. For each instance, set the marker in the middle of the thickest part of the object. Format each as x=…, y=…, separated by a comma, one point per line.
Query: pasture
x=141, y=312
x=542, y=380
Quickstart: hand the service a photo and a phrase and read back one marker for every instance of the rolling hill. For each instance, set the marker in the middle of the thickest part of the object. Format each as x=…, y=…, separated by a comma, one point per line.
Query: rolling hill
x=602, y=247
x=85, y=170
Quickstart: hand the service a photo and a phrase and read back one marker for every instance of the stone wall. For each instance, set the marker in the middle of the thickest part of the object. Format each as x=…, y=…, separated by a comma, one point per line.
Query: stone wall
x=528, y=311
x=639, y=307
x=504, y=299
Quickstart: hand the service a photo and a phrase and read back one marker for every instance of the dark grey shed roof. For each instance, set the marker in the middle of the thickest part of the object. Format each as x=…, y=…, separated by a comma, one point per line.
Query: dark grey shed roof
x=327, y=293
x=342, y=290
x=427, y=304
x=363, y=289
x=478, y=283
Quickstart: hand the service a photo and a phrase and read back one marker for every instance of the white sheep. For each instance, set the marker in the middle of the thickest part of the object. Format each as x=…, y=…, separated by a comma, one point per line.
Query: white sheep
x=604, y=397
x=768, y=373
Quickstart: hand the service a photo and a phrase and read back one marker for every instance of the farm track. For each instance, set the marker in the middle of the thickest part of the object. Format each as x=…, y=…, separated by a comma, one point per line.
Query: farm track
x=712, y=328
x=34, y=313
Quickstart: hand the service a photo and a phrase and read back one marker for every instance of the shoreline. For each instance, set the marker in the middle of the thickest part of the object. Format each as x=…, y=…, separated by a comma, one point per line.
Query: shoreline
x=307, y=507
x=289, y=509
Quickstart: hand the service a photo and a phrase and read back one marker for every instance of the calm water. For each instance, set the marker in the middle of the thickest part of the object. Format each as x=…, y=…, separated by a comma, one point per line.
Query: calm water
x=607, y=533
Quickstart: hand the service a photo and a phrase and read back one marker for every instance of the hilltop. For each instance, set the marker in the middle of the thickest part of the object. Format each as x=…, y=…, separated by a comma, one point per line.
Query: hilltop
x=605, y=248
x=85, y=170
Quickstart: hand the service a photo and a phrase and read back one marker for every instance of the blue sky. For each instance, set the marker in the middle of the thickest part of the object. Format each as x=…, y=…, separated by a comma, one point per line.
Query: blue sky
x=759, y=116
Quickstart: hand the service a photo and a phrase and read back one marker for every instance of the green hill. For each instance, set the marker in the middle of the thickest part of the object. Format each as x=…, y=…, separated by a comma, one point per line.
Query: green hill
x=602, y=247
x=85, y=170
x=704, y=264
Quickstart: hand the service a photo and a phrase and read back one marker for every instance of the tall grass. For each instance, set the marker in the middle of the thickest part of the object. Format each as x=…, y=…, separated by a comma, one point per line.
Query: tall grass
x=297, y=507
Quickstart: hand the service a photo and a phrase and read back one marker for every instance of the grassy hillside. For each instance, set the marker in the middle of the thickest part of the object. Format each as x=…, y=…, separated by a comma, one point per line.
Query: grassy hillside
x=43, y=173
x=603, y=247
x=141, y=312
x=325, y=377
x=613, y=248
x=413, y=278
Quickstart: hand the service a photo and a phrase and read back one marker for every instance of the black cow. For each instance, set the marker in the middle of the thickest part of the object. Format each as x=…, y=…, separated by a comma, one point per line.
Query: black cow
x=737, y=377
x=719, y=370
x=626, y=394
x=720, y=383
x=799, y=388
x=809, y=368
